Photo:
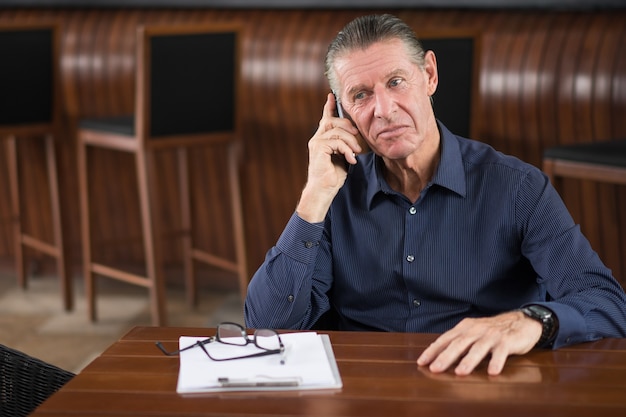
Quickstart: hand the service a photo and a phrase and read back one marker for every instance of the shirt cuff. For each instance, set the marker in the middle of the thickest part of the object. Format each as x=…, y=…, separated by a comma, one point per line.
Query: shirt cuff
x=572, y=328
x=300, y=239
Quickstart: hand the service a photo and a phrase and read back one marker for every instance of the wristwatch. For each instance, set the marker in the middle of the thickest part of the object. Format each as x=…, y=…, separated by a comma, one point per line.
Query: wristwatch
x=548, y=320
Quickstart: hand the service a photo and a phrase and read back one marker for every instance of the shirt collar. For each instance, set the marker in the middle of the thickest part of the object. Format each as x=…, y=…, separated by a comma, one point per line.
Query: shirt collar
x=450, y=173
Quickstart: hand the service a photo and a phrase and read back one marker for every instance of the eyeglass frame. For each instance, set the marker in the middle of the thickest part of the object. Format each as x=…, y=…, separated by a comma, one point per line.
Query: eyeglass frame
x=244, y=335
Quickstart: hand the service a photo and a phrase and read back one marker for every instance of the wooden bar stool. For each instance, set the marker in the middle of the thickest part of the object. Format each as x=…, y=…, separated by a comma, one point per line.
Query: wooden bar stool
x=597, y=161
x=187, y=83
x=30, y=108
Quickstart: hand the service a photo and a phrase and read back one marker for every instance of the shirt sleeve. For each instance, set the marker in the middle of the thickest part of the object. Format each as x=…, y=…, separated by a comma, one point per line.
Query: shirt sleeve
x=587, y=300
x=283, y=293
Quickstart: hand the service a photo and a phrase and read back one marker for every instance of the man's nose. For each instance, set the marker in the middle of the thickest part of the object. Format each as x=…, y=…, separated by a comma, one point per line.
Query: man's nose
x=384, y=105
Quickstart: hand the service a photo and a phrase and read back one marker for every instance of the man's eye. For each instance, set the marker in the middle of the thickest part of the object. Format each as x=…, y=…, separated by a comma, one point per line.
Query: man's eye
x=395, y=82
x=359, y=96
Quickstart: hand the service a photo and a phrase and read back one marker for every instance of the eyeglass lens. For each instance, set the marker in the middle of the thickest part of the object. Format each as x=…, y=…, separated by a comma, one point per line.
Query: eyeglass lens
x=232, y=334
x=266, y=339
x=235, y=334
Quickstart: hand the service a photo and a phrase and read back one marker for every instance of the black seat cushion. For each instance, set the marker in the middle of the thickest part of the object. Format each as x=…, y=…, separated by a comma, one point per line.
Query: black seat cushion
x=611, y=153
x=121, y=125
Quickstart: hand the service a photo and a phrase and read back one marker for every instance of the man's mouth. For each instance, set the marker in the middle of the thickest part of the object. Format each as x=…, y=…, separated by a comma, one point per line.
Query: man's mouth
x=391, y=132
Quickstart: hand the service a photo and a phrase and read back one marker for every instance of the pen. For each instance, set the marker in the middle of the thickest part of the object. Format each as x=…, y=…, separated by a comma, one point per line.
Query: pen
x=226, y=382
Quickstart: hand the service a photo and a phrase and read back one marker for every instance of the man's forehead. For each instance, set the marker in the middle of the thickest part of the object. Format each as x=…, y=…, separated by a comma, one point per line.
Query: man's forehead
x=380, y=60
x=384, y=45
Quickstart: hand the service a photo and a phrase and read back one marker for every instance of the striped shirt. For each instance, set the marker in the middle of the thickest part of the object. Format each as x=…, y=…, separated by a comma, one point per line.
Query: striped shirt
x=488, y=234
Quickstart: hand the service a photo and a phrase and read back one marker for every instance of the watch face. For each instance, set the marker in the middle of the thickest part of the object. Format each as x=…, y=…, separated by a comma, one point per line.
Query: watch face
x=539, y=311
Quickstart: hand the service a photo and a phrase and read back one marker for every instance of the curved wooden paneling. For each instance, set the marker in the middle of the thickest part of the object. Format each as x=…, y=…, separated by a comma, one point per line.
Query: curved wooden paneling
x=546, y=78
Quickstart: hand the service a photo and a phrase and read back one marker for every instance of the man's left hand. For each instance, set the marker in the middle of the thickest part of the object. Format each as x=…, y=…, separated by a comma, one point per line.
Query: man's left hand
x=473, y=339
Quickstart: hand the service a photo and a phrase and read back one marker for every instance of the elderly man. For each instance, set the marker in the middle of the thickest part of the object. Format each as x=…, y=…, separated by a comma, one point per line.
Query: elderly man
x=427, y=231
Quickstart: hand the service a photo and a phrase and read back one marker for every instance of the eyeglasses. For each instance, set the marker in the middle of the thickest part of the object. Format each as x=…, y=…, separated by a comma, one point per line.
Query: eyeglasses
x=235, y=334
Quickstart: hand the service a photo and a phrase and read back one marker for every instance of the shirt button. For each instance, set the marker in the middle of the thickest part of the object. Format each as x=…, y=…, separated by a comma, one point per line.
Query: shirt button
x=309, y=245
x=416, y=303
x=290, y=298
x=412, y=210
x=410, y=258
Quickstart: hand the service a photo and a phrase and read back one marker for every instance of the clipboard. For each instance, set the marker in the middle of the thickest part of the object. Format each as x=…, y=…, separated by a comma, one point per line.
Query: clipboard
x=309, y=364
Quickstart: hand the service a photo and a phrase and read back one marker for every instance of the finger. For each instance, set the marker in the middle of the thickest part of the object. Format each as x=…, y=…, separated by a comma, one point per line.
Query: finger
x=331, y=120
x=497, y=362
x=434, y=349
x=329, y=106
x=444, y=358
x=474, y=356
x=428, y=355
x=346, y=149
x=448, y=357
x=325, y=123
x=345, y=143
x=343, y=160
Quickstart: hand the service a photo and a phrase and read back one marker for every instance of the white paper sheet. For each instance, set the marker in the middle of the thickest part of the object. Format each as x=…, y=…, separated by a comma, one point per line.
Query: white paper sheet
x=309, y=360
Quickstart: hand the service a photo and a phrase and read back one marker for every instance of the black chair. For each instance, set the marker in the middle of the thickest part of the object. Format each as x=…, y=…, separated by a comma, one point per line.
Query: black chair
x=603, y=161
x=26, y=382
x=187, y=82
x=30, y=109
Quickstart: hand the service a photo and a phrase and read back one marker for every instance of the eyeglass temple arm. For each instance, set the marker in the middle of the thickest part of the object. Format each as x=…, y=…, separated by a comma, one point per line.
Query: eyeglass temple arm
x=254, y=355
x=176, y=352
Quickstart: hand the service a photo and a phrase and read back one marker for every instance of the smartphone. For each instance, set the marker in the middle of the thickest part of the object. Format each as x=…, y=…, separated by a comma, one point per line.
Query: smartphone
x=339, y=159
x=338, y=106
x=340, y=113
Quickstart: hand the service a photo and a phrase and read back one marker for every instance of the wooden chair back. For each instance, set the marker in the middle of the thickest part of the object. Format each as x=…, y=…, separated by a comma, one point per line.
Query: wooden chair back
x=187, y=84
x=29, y=78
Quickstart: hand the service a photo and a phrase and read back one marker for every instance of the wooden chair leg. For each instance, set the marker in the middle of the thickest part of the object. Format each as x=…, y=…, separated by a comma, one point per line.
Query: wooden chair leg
x=85, y=222
x=146, y=177
x=187, y=237
x=57, y=248
x=12, y=164
x=237, y=211
x=55, y=202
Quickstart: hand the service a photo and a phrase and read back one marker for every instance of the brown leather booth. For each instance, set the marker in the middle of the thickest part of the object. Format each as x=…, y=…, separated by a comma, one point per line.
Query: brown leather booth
x=547, y=77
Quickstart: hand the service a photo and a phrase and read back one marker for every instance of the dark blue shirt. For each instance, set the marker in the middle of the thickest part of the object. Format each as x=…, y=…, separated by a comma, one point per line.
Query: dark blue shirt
x=488, y=234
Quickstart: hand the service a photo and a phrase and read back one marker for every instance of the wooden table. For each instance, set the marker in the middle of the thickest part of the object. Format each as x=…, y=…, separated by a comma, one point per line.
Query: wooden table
x=380, y=378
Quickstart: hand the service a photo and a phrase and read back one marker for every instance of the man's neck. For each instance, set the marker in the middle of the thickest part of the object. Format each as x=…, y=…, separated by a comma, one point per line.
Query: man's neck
x=411, y=175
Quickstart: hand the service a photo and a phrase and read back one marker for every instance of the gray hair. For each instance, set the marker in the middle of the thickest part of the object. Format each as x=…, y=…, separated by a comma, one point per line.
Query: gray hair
x=365, y=31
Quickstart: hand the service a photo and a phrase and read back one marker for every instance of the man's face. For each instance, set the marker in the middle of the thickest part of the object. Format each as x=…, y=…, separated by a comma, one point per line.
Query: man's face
x=388, y=97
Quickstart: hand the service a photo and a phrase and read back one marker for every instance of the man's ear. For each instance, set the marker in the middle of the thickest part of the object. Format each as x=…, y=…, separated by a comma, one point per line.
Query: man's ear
x=430, y=68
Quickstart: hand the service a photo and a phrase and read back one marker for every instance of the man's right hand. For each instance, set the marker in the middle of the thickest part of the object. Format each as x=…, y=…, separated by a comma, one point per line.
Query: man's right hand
x=335, y=137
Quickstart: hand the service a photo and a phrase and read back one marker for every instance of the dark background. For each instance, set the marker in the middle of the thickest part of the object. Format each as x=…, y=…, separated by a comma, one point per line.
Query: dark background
x=326, y=4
